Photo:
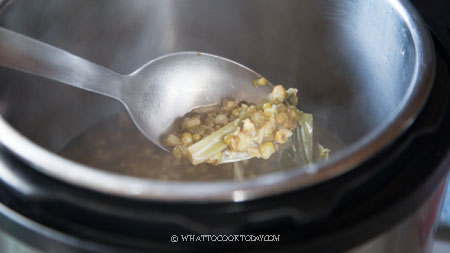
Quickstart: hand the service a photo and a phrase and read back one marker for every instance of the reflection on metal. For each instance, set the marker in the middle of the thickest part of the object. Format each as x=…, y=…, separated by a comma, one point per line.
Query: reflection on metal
x=9, y=244
x=238, y=171
x=4, y=3
x=415, y=234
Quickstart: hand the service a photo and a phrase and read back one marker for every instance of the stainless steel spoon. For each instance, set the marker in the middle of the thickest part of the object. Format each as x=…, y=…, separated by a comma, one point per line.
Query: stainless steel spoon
x=154, y=95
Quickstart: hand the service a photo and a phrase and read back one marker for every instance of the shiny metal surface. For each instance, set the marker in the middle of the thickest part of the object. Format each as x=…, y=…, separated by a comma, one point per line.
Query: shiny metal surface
x=9, y=245
x=155, y=94
x=414, y=234
x=363, y=68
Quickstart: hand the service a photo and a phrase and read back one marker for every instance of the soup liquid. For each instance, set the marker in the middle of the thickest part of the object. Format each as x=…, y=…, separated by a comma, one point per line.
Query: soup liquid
x=116, y=145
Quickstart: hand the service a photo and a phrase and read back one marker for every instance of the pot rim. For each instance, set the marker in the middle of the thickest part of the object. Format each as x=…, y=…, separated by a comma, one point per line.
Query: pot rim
x=342, y=161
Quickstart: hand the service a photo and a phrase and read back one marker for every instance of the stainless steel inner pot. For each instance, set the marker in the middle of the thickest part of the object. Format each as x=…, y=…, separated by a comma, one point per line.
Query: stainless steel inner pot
x=363, y=68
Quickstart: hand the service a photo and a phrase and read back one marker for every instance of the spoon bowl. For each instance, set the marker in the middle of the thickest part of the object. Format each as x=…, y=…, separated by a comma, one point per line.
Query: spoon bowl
x=155, y=94
x=172, y=85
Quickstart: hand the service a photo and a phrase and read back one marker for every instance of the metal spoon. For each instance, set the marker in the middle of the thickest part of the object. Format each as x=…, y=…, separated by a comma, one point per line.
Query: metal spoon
x=154, y=95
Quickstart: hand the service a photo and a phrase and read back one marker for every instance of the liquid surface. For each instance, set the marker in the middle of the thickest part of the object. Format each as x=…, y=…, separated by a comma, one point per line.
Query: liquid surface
x=116, y=145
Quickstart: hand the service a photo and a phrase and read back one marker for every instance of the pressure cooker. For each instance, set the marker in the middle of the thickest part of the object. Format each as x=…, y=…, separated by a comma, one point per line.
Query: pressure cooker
x=374, y=74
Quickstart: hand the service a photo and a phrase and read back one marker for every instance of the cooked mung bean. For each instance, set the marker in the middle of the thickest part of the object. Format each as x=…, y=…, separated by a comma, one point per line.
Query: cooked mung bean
x=237, y=127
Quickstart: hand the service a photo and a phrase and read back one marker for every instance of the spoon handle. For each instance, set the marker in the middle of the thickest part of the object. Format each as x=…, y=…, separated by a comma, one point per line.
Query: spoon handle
x=25, y=54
